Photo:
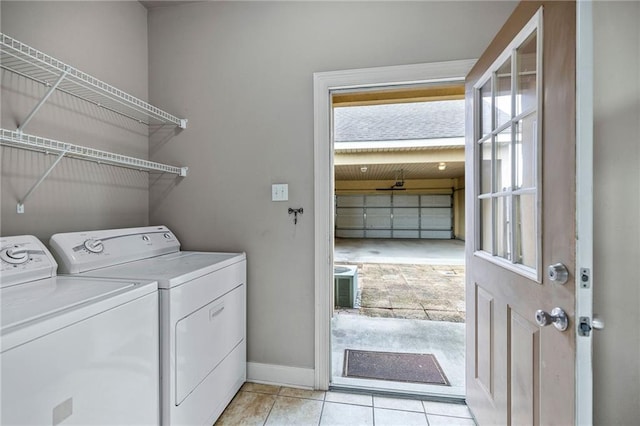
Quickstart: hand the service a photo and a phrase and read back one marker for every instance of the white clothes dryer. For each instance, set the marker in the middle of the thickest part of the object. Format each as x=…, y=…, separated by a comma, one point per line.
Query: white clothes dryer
x=74, y=350
x=202, y=311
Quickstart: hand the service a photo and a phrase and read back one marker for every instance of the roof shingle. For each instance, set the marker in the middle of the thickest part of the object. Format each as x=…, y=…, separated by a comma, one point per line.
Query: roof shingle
x=403, y=121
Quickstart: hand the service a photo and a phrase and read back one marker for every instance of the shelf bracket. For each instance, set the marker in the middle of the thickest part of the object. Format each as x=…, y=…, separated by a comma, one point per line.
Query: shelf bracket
x=33, y=112
x=20, y=208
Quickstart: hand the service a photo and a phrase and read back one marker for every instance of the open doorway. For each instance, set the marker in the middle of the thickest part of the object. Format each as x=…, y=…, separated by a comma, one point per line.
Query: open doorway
x=325, y=84
x=398, y=323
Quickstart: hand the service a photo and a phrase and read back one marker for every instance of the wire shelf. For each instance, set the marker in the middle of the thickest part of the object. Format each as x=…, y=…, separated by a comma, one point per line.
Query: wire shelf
x=31, y=63
x=37, y=143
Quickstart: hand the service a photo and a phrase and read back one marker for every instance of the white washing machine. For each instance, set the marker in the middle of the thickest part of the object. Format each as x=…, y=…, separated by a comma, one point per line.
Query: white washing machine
x=74, y=350
x=202, y=311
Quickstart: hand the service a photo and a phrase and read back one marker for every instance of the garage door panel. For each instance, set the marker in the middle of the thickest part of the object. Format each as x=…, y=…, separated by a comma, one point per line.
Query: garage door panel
x=435, y=218
x=378, y=200
x=350, y=201
x=377, y=233
x=350, y=218
x=436, y=235
x=406, y=201
x=406, y=218
x=379, y=218
x=394, y=216
x=435, y=200
x=406, y=234
x=350, y=233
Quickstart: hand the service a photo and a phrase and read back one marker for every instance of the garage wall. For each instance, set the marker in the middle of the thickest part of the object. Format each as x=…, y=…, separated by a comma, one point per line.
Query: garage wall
x=242, y=73
x=109, y=41
x=617, y=203
x=459, y=209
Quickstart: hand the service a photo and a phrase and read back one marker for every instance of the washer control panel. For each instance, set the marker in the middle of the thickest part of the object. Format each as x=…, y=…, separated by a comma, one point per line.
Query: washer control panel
x=78, y=252
x=24, y=258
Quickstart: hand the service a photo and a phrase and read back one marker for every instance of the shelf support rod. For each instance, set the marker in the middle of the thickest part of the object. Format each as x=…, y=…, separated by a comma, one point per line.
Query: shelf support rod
x=21, y=202
x=42, y=101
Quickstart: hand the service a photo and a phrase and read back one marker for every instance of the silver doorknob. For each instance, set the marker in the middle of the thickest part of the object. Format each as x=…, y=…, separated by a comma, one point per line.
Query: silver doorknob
x=558, y=273
x=557, y=317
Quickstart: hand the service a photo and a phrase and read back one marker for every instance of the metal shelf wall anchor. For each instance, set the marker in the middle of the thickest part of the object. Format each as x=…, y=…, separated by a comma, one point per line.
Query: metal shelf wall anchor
x=20, y=208
x=43, y=100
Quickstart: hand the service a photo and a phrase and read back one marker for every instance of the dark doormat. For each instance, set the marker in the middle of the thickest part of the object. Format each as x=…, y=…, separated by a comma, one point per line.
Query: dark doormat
x=398, y=367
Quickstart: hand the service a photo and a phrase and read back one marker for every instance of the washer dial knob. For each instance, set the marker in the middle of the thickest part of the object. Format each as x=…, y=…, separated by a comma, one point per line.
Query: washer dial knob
x=94, y=246
x=15, y=255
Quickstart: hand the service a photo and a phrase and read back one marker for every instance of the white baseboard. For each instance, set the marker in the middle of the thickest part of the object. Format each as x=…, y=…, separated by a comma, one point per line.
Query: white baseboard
x=280, y=375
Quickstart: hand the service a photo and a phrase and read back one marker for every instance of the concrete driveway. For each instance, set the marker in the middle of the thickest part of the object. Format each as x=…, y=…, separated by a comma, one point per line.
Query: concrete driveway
x=411, y=279
x=411, y=252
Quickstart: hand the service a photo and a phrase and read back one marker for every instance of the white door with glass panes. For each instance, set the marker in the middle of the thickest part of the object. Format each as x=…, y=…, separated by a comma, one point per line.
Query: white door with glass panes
x=521, y=190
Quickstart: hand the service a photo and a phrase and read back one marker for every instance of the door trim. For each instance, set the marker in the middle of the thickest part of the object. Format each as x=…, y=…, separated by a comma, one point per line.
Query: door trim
x=584, y=207
x=324, y=83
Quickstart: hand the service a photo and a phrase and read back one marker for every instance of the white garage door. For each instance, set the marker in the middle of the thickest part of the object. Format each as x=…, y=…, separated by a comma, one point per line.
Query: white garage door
x=394, y=216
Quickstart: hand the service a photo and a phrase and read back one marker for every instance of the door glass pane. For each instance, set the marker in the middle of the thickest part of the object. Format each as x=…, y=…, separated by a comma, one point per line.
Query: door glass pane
x=503, y=160
x=503, y=93
x=502, y=233
x=486, y=228
x=485, y=167
x=525, y=154
x=526, y=229
x=485, y=108
x=526, y=98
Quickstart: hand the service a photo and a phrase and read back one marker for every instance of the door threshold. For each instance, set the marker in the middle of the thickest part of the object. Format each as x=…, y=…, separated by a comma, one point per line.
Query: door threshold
x=400, y=391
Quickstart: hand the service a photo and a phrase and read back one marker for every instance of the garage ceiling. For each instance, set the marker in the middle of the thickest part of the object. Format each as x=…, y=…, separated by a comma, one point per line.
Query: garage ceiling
x=391, y=171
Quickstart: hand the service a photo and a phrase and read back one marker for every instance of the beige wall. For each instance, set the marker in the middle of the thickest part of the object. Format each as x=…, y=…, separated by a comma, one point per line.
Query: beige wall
x=242, y=73
x=616, y=214
x=109, y=41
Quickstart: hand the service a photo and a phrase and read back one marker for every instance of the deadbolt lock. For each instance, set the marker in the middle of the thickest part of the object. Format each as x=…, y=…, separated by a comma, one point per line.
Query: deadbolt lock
x=558, y=273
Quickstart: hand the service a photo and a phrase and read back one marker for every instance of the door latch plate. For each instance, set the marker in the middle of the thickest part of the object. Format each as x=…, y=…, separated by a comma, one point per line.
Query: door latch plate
x=585, y=278
x=584, y=327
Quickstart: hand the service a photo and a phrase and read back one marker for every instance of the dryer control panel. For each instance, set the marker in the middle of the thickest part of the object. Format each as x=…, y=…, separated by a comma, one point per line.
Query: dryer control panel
x=78, y=252
x=24, y=258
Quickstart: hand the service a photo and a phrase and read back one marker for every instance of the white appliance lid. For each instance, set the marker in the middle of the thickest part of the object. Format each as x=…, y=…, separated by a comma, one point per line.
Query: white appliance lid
x=36, y=308
x=171, y=269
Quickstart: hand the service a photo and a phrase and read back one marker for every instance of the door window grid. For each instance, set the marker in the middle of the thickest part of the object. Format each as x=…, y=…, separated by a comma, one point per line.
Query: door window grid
x=507, y=193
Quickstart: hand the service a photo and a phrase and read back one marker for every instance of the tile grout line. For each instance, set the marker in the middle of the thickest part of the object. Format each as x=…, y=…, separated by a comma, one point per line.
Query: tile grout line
x=321, y=414
x=373, y=412
x=266, y=419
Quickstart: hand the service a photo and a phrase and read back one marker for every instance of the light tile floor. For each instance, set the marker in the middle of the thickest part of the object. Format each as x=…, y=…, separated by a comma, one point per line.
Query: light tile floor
x=257, y=404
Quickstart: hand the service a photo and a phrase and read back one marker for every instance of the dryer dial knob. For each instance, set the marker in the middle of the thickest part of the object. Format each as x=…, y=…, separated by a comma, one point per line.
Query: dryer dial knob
x=94, y=246
x=15, y=255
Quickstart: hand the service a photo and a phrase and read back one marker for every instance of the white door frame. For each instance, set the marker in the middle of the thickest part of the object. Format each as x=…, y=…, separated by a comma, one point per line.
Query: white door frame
x=584, y=207
x=323, y=84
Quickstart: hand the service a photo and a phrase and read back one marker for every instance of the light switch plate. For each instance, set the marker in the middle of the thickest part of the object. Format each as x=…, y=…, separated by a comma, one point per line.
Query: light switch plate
x=280, y=192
